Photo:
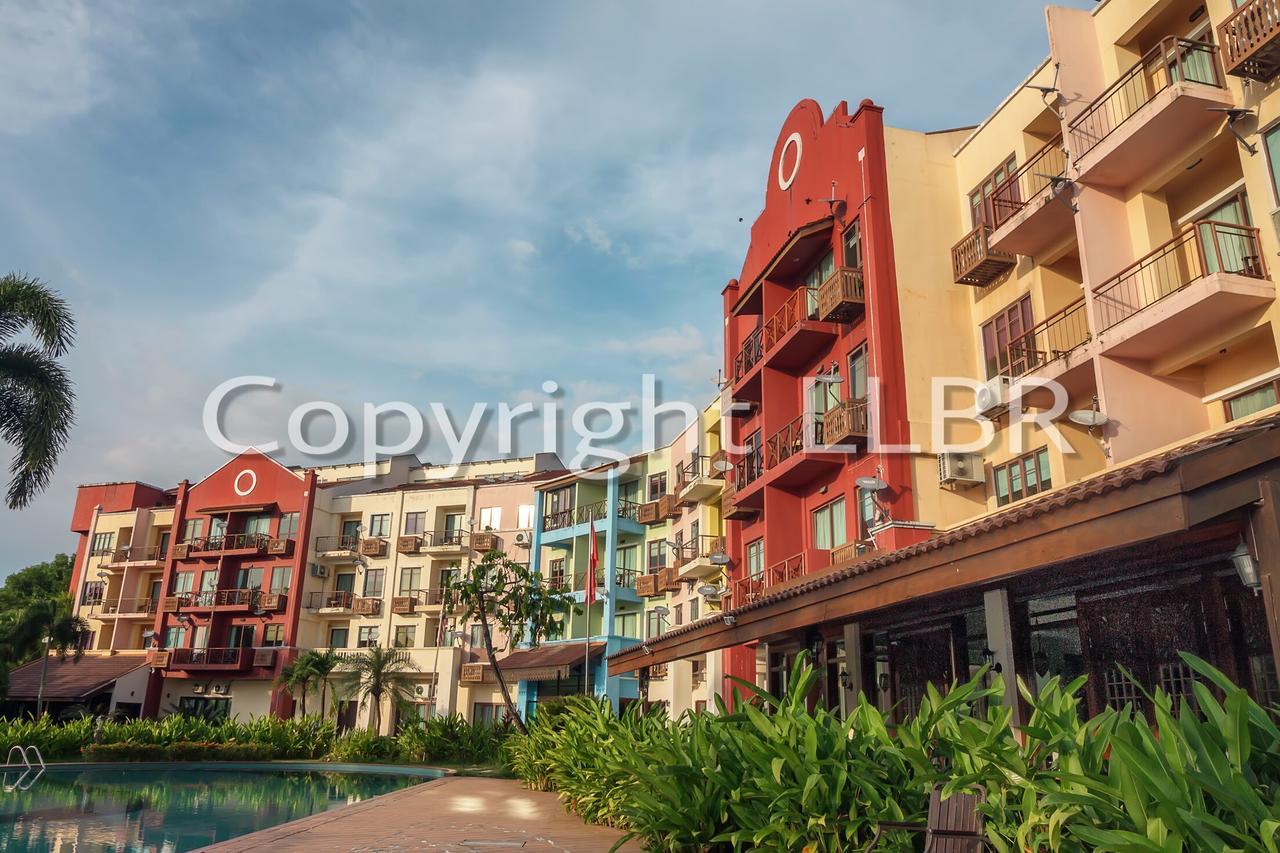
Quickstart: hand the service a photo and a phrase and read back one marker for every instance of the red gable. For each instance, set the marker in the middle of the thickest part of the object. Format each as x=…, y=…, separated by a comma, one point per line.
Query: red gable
x=248, y=480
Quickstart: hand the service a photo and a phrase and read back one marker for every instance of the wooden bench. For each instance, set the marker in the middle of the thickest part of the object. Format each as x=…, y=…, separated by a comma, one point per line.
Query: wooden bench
x=954, y=825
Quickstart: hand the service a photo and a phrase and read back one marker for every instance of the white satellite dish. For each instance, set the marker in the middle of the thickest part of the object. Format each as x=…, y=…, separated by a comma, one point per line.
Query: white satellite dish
x=720, y=558
x=722, y=465
x=1090, y=418
x=871, y=484
x=662, y=610
x=710, y=590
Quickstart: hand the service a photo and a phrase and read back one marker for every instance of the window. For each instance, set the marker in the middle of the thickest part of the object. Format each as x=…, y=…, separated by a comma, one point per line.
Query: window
x=1025, y=476
x=410, y=580
x=475, y=637
x=1253, y=401
x=288, y=526
x=257, y=525
x=175, y=638
x=373, y=582
x=868, y=512
x=249, y=577
x=281, y=578
x=652, y=624
x=367, y=637
x=828, y=525
x=240, y=636
x=447, y=576
x=561, y=500
x=102, y=543
x=657, y=485
x=626, y=624
x=821, y=271
x=272, y=636
x=487, y=713
x=852, y=243
x=626, y=566
x=193, y=529
x=679, y=614
x=858, y=373
x=1002, y=330
x=217, y=528
x=524, y=517
x=491, y=518
x=555, y=570
x=209, y=580
x=629, y=491
x=183, y=582
x=380, y=525
x=404, y=636
x=1271, y=141
x=981, y=211
x=414, y=523
x=93, y=592
x=657, y=555
x=693, y=609
x=755, y=558
x=338, y=637
x=351, y=528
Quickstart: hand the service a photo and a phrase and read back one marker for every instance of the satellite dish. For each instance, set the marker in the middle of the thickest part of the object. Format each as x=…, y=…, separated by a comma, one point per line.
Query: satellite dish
x=722, y=465
x=709, y=590
x=662, y=610
x=1090, y=418
x=720, y=559
x=871, y=484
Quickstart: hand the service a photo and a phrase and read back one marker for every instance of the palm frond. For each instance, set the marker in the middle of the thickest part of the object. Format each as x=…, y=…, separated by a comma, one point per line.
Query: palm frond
x=36, y=416
x=26, y=303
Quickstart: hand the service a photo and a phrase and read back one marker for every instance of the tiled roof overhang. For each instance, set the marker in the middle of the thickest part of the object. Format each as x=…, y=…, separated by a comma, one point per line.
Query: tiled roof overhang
x=1167, y=493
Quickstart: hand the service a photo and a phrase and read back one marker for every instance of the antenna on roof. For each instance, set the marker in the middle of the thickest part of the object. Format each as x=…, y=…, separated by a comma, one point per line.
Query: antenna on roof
x=1234, y=114
x=1046, y=91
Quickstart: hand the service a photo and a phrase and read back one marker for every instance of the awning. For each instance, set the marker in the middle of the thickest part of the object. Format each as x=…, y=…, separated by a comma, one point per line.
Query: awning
x=71, y=680
x=801, y=247
x=547, y=662
x=221, y=510
x=1167, y=493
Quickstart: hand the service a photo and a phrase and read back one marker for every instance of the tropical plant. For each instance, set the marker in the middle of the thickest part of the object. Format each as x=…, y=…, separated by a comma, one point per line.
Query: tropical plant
x=36, y=396
x=376, y=674
x=297, y=676
x=451, y=739
x=364, y=745
x=322, y=663
x=499, y=592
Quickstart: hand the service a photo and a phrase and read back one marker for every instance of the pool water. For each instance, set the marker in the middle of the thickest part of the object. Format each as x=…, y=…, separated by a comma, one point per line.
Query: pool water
x=169, y=808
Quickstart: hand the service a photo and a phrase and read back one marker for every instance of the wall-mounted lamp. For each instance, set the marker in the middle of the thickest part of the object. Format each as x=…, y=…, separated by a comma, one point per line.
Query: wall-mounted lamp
x=1246, y=567
x=882, y=681
x=989, y=658
x=845, y=681
x=729, y=620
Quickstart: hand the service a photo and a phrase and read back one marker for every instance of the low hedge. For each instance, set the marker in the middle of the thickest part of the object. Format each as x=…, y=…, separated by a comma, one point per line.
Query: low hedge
x=179, y=751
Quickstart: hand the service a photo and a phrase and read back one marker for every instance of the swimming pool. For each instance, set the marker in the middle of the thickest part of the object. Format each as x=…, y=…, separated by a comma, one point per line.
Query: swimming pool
x=169, y=808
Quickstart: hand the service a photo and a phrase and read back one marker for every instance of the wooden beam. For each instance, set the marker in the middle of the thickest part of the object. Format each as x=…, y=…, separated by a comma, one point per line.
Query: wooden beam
x=1265, y=524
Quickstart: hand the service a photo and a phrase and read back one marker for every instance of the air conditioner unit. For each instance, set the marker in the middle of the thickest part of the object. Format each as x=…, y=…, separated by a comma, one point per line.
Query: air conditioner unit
x=992, y=395
x=420, y=690
x=960, y=469
x=197, y=689
x=219, y=689
x=523, y=539
x=319, y=570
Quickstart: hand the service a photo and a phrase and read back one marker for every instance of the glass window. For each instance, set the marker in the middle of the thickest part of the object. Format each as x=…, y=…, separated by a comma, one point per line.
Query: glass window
x=853, y=245
x=679, y=614
x=272, y=636
x=351, y=528
x=652, y=625
x=525, y=517
x=281, y=578
x=1022, y=477
x=829, y=526
x=193, y=529
x=999, y=336
x=380, y=525
x=487, y=713
x=217, y=528
x=1251, y=402
x=373, y=582
x=258, y=525
x=410, y=580
x=657, y=485
x=491, y=518
x=755, y=558
x=475, y=637
x=693, y=609
x=175, y=638
x=629, y=491
x=858, y=373
x=367, y=637
x=404, y=637
x=414, y=523
x=657, y=555
x=821, y=271
x=338, y=637
x=626, y=624
x=867, y=510
x=102, y=543
x=183, y=582
x=250, y=577
x=288, y=526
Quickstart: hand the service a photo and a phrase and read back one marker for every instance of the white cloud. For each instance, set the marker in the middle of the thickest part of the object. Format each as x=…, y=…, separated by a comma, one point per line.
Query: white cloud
x=521, y=249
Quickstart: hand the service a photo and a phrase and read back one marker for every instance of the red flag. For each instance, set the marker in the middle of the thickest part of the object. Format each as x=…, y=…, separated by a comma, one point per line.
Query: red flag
x=592, y=564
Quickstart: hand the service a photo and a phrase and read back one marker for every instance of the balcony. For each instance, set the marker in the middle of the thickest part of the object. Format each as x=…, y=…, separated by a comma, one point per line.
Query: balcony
x=151, y=556
x=753, y=588
x=335, y=603
x=796, y=453
x=648, y=513
x=373, y=546
x=669, y=579
x=847, y=423
x=1029, y=215
x=1149, y=116
x=975, y=262
x=1250, y=39
x=647, y=586
x=793, y=336
x=695, y=560
x=1047, y=349
x=748, y=356
x=408, y=544
x=127, y=608
x=241, y=599
x=367, y=606
x=739, y=501
x=842, y=297
x=226, y=659
x=445, y=542
x=1207, y=276
x=593, y=512
x=698, y=479
x=406, y=602
x=225, y=545
x=343, y=548
x=280, y=547
x=485, y=542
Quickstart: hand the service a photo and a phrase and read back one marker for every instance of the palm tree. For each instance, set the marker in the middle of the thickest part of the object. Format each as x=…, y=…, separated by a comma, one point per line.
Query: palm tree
x=36, y=397
x=296, y=677
x=44, y=626
x=322, y=663
x=377, y=674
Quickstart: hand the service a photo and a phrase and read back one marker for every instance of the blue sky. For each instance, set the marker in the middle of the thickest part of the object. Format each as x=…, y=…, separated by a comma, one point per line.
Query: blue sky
x=417, y=201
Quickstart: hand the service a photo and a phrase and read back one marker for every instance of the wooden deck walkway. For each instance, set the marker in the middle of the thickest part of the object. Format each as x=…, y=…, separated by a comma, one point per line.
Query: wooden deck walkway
x=463, y=814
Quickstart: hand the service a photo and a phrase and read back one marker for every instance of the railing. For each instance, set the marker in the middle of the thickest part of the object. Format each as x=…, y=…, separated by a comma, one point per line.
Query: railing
x=93, y=592
x=1052, y=338
x=801, y=434
x=129, y=605
x=232, y=656
x=974, y=262
x=705, y=546
x=1248, y=38
x=147, y=554
x=847, y=419
x=747, y=470
x=842, y=289
x=753, y=587
x=626, y=577
x=800, y=305
x=368, y=605
x=581, y=514
x=229, y=542
x=693, y=468
x=343, y=599
x=446, y=538
x=348, y=542
x=1171, y=61
x=749, y=354
x=1201, y=249
x=1029, y=182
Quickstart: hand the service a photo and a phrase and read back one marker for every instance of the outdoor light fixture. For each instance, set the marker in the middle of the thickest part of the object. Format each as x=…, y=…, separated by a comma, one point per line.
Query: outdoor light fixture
x=882, y=681
x=989, y=658
x=1246, y=567
x=845, y=681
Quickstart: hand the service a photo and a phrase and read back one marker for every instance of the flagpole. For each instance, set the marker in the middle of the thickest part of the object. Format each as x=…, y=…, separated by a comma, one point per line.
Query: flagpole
x=588, y=596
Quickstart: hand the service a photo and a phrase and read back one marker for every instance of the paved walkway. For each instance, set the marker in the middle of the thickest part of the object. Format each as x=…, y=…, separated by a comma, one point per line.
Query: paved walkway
x=467, y=815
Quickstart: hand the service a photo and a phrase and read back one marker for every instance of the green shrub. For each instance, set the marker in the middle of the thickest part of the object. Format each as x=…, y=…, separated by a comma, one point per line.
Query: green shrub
x=178, y=751
x=361, y=745
x=451, y=739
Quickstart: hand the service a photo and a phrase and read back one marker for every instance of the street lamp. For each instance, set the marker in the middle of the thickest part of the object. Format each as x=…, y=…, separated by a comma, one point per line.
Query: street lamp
x=44, y=670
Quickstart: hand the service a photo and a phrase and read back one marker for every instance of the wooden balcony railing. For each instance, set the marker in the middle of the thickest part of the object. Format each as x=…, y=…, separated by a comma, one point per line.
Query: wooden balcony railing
x=224, y=658
x=349, y=542
x=704, y=547
x=647, y=585
x=1030, y=182
x=335, y=599
x=1047, y=341
x=129, y=605
x=484, y=542
x=800, y=305
x=1250, y=39
x=846, y=422
x=141, y=554
x=753, y=587
x=974, y=262
x=281, y=547
x=803, y=433
x=697, y=467
x=367, y=606
x=1201, y=249
x=1173, y=60
x=445, y=539
x=669, y=579
x=373, y=546
x=749, y=354
x=841, y=296
x=226, y=542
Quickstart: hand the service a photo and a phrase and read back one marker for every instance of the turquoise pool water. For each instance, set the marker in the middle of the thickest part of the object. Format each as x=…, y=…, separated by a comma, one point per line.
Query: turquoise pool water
x=173, y=807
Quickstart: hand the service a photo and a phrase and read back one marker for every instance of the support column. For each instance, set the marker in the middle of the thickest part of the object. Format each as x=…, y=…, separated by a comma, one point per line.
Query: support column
x=609, y=687
x=715, y=678
x=852, y=663
x=1000, y=640
x=1265, y=524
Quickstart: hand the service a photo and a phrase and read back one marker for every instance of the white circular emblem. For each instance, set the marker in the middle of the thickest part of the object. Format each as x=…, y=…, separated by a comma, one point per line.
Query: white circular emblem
x=242, y=491
x=785, y=183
